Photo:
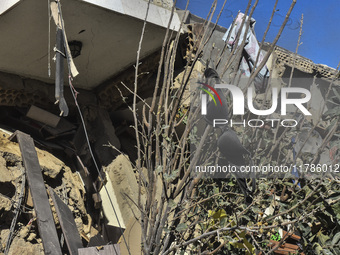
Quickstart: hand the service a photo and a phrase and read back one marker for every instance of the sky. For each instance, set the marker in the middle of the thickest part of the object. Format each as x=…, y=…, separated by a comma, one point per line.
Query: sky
x=320, y=31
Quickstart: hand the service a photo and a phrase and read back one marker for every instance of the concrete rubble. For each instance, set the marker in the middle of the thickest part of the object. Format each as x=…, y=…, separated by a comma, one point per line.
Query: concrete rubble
x=57, y=175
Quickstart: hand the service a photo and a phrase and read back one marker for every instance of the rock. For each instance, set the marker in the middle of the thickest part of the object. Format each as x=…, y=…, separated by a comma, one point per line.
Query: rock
x=31, y=237
x=75, y=187
x=20, y=246
x=5, y=204
x=15, y=172
x=3, y=237
x=54, y=212
x=5, y=174
x=79, y=224
x=24, y=231
x=50, y=165
x=87, y=228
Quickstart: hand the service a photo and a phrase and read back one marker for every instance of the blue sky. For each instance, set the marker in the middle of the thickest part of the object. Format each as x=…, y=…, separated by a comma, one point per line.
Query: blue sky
x=321, y=24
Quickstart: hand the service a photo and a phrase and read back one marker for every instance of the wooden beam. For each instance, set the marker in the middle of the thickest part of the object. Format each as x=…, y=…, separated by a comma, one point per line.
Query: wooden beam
x=96, y=240
x=67, y=223
x=41, y=204
x=112, y=249
x=290, y=235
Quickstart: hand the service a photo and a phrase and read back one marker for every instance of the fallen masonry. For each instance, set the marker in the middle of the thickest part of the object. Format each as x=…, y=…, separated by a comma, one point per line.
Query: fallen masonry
x=53, y=203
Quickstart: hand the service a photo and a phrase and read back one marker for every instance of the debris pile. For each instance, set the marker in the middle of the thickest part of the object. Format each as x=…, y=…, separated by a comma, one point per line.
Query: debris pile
x=65, y=183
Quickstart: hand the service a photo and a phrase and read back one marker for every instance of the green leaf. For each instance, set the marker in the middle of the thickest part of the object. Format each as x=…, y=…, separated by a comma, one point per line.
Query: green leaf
x=336, y=209
x=181, y=227
x=221, y=213
x=246, y=217
x=327, y=252
x=333, y=112
x=171, y=177
x=336, y=250
x=317, y=247
x=322, y=238
x=159, y=169
x=336, y=238
x=327, y=213
x=307, y=189
x=263, y=187
x=231, y=184
x=305, y=228
x=255, y=209
x=289, y=184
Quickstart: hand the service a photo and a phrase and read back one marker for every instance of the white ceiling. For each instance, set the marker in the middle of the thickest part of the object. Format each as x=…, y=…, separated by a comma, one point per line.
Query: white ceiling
x=110, y=37
x=7, y=5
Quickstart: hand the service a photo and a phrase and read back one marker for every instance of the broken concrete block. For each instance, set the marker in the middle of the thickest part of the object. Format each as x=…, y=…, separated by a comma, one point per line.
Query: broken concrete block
x=43, y=116
x=132, y=234
x=113, y=217
x=122, y=178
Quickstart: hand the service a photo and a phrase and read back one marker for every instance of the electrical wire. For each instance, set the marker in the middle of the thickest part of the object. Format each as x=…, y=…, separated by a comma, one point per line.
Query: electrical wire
x=22, y=207
x=17, y=211
x=74, y=94
x=49, y=40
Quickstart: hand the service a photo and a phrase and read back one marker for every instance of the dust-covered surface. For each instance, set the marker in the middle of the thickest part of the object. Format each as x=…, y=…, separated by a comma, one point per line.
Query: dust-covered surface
x=57, y=175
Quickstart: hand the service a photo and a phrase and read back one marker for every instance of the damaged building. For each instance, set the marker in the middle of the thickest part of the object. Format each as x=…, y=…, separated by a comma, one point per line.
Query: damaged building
x=103, y=38
x=87, y=160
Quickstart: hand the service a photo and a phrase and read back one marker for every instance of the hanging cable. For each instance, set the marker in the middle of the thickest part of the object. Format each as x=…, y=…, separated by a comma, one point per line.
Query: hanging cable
x=49, y=40
x=74, y=94
x=17, y=211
